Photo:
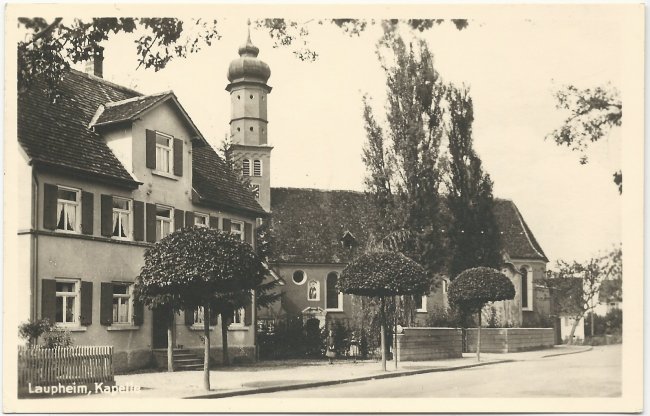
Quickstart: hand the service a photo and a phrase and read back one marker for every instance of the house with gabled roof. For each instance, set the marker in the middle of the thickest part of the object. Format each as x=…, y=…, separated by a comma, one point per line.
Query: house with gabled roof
x=105, y=173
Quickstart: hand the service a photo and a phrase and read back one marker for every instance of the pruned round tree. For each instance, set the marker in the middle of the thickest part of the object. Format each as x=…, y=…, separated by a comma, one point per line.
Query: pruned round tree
x=190, y=268
x=473, y=288
x=382, y=274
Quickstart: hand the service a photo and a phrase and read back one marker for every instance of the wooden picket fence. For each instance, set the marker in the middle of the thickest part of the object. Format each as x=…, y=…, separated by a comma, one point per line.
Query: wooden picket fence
x=66, y=365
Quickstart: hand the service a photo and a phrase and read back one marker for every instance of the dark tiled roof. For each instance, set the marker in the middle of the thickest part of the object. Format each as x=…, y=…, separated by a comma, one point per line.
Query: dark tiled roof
x=519, y=241
x=309, y=223
x=116, y=112
x=57, y=134
x=216, y=184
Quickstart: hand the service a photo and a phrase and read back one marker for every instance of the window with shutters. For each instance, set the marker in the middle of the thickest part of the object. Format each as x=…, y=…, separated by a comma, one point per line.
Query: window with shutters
x=201, y=220
x=67, y=302
x=68, y=209
x=122, y=303
x=333, y=298
x=246, y=167
x=122, y=214
x=257, y=167
x=198, y=316
x=164, y=221
x=164, y=153
x=237, y=228
x=238, y=318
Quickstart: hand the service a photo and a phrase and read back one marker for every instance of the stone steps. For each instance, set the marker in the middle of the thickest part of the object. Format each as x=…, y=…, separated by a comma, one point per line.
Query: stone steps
x=183, y=359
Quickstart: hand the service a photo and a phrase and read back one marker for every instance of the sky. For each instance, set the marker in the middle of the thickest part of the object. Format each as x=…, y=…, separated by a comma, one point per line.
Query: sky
x=512, y=67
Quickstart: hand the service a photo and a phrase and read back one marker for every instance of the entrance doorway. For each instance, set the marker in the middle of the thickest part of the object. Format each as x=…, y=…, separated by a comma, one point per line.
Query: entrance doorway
x=160, y=319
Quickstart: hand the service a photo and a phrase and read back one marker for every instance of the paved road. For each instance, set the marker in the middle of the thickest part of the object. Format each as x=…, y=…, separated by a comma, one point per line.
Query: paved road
x=595, y=373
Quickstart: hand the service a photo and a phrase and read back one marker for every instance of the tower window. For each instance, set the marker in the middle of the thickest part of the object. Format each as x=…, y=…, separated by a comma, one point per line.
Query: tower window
x=239, y=97
x=251, y=129
x=246, y=167
x=257, y=167
x=238, y=128
x=251, y=96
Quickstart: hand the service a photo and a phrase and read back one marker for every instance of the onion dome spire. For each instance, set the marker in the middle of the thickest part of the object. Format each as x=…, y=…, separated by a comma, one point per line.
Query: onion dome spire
x=248, y=67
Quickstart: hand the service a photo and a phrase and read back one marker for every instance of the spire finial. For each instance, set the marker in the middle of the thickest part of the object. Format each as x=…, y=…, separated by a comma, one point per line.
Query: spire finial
x=248, y=49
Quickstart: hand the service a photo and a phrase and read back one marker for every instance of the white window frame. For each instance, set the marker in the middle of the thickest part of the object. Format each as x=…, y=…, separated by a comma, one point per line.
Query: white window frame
x=160, y=220
x=241, y=230
x=206, y=217
x=424, y=305
x=121, y=212
x=246, y=167
x=67, y=204
x=257, y=162
x=304, y=274
x=77, y=305
x=339, y=294
x=317, y=286
x=241, y=322
x=529, y=287
x=169, y=149
x=129, y=304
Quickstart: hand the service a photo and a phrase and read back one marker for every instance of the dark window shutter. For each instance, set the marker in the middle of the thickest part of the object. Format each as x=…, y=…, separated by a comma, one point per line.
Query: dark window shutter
x=151, y=149
x=138, y=220
x=189, y=316
x=50, y=196
x=226, y=225
x=248, y=312
x=214, y=222
x=87, y=201
x=86, y=303
x=189, y=219
x=106, y=304
x=178, y=157
x=248, y=233
x=48, y=299
x=151, y=223
x=179, y=219
x=138, y=313
x=213, y=316
x=107, y=215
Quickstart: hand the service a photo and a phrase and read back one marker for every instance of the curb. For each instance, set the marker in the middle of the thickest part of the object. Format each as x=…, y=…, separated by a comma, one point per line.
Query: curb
x=569, y=352
x=300, y=386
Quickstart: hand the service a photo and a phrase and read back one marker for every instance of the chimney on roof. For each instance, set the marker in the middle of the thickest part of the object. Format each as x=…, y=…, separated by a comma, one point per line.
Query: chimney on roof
x=95, y=65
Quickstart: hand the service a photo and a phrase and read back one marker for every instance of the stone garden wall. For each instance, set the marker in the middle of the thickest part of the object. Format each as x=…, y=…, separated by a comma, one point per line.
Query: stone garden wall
x=510, y=339
x=423, y=344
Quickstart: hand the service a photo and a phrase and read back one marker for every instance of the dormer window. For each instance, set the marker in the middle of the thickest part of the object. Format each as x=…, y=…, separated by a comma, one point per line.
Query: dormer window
x=348, y=240
x=257, y=167
x=164, y=153
x=246, y=167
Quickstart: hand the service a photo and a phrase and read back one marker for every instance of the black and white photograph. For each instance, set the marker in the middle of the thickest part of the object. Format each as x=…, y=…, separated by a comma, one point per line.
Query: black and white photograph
x=321, y=207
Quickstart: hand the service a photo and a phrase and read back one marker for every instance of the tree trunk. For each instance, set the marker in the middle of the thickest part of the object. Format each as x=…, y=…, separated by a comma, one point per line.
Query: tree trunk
x=478, y=338
x=383, y=335
x=170, y=341
x=224, y=339
x=576, y=320
x=395, y=333
x=206, y=346
x=592, y=324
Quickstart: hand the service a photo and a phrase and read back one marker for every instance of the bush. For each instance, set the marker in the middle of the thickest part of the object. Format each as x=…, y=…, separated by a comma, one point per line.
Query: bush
x=610, y=324
x=32, y=330
x=291, y=338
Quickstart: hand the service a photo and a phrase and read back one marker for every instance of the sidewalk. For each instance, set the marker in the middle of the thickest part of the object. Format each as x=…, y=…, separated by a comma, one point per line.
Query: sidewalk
x=294, y=374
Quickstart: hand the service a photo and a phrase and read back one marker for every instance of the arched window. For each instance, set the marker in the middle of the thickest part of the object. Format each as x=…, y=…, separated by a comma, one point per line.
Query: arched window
x=333, y=299
x=526, y=287
x=257, y=167
x=246, y=167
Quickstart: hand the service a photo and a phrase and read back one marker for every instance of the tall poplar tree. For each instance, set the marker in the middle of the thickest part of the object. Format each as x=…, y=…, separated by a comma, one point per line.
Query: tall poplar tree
x=473, y=233
x=402, y=155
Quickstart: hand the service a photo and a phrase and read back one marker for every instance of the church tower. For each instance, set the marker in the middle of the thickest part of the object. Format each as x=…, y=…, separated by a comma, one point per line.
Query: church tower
x=248, y=121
